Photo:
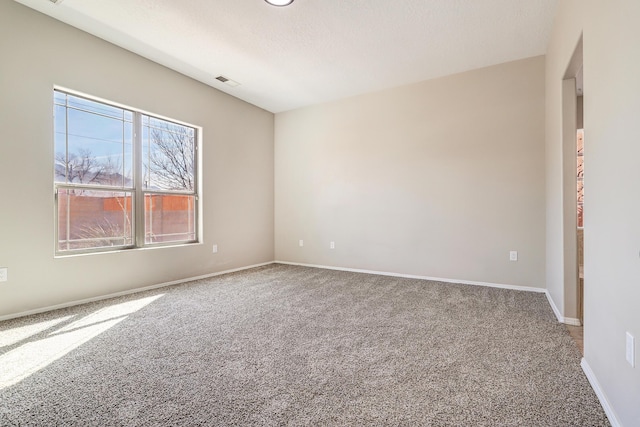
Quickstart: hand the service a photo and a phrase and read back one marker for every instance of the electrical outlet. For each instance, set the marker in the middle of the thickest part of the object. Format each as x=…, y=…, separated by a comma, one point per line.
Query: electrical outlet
x=4, y=274
x=513, y=255
x=215, y=249
x=631, y=356
x=301, y=243
x=332, y=245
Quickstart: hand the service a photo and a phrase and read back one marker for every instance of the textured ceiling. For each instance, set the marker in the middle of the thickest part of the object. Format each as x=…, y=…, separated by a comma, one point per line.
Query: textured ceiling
x=315, y=50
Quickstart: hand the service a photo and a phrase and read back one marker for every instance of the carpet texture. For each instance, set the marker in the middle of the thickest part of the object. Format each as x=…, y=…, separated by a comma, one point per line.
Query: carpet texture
x=283, y=345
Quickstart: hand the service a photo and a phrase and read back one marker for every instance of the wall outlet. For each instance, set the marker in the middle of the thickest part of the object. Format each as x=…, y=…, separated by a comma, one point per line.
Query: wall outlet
x=4, y=274
x=215, y=249
x=332, y=245
x=513, y=255
x=301, y=243
x=631, y=351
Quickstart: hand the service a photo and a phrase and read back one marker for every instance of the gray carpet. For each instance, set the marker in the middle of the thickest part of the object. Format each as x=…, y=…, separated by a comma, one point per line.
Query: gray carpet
x=284, y=345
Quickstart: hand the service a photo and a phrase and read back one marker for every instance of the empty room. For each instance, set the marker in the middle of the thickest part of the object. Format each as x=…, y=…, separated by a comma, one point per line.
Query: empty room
x=319, y=213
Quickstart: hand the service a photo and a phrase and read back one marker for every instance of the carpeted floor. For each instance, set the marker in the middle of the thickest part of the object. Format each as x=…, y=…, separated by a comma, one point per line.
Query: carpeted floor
x=284, y=345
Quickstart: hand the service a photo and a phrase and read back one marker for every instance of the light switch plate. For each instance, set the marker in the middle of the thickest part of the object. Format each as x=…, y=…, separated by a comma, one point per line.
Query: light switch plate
x=4, y=274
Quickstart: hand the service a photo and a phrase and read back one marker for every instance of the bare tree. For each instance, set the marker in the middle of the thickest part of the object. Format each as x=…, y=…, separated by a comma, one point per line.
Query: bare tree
x=170, y=164
x=172, y=158
x=80, y=168
x=85, y=168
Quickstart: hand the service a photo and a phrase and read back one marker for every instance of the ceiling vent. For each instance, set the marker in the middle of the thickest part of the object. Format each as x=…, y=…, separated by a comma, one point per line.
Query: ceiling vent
x=226, y=80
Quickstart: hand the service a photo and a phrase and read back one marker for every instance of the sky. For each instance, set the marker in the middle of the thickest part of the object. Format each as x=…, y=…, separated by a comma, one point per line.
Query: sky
x=103, y=131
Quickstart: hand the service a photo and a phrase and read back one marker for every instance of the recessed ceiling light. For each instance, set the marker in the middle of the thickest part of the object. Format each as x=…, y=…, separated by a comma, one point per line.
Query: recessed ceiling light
x=279, y=2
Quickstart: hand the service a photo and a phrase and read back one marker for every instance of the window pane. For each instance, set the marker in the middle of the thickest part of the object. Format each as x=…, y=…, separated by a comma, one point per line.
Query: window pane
x=170, y=126
x=169, y=218
x=127, y=153
x=168, y=155
x=98, y=176
x=93, y=142
x=580, y=166
x=96, y=149
x=580, y=175
x=59, y=97
x=60, y=143
x=580, y=215
x=95, y=107
x=93, y=219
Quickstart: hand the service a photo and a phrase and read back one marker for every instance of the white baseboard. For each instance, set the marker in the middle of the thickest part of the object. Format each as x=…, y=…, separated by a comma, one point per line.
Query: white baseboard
x=412, y=276
x=554, y=307
x=127, y=292
x=566, y=320
x=572, y=321
x=353, y=270
x=601, y=396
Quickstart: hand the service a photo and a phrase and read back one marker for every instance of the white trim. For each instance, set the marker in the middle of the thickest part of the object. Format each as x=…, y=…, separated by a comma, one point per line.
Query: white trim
x=608, y=410
x=412, y=276
x=572, y=321
x=566, y=320
x=128, y=292
x=554, y=307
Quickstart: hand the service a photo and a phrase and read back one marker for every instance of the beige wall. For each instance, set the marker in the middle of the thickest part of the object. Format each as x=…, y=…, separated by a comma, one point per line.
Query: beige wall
x=36, y=53
x=441, y=178
x=612, y=206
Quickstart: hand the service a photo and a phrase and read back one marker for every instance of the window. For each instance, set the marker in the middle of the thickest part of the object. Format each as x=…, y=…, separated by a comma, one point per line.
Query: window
x=580, y=176
x=123, y=179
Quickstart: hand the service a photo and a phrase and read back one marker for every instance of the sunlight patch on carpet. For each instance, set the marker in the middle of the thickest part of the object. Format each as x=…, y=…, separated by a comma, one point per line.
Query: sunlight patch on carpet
x=34, y=355
x=15, y=335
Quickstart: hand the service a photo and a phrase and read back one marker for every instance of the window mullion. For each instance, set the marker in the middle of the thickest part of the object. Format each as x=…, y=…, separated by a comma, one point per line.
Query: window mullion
x=66, y=171
x=139, y=212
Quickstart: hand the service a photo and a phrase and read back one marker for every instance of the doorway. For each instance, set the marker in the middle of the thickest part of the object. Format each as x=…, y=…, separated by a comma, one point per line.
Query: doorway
x=573, y=150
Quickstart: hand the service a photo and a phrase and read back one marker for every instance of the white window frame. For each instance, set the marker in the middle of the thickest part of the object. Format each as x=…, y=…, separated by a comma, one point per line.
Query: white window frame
x=137, y=190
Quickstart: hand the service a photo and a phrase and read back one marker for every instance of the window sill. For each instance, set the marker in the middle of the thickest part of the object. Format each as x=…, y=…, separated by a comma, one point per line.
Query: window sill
x=133, y=249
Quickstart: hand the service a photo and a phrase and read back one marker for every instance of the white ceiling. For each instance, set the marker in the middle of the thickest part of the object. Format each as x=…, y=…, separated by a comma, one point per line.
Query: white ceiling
x=315, y=50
